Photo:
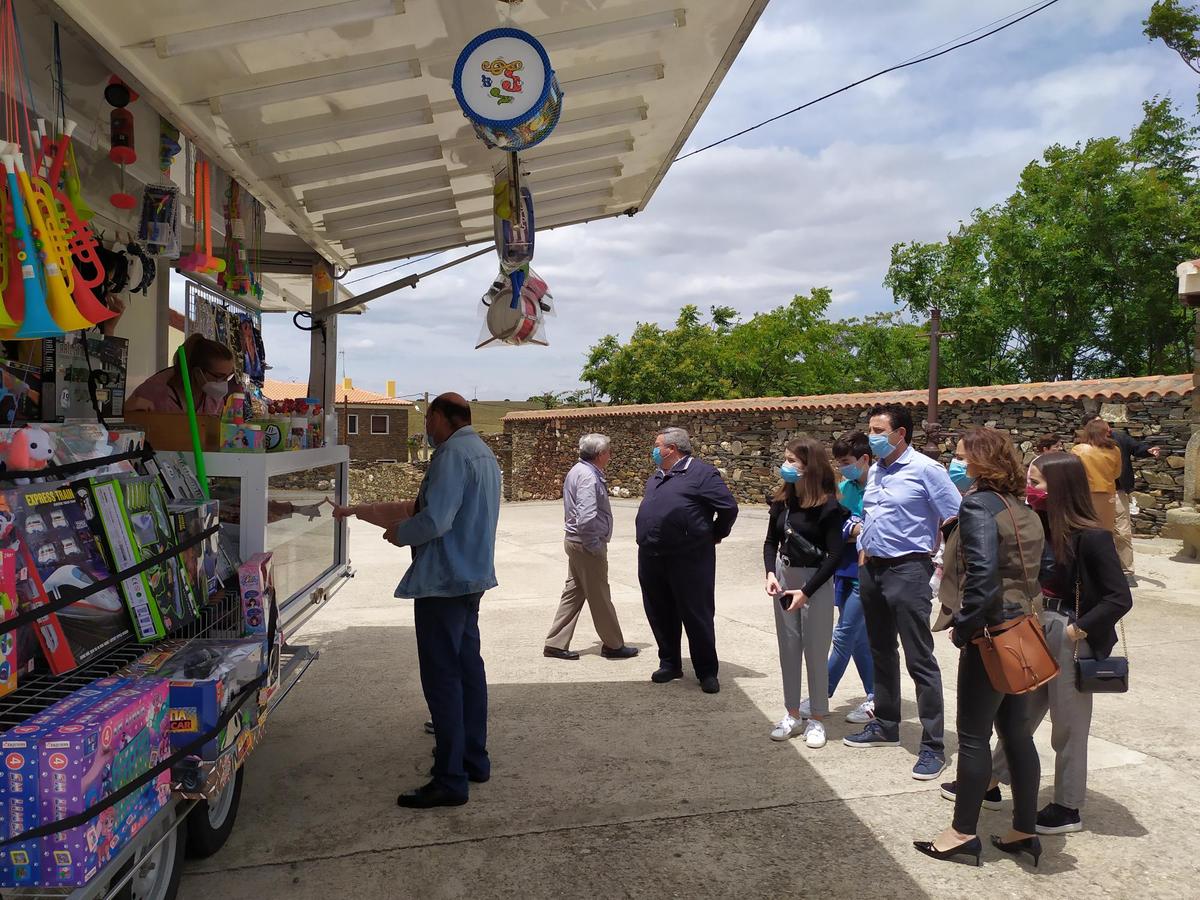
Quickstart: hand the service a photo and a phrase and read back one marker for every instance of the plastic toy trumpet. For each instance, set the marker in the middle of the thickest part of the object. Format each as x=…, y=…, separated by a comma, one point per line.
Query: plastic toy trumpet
x=38, y=321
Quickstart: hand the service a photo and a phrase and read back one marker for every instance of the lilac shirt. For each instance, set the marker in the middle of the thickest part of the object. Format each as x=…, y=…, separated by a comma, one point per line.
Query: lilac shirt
x=162, y=396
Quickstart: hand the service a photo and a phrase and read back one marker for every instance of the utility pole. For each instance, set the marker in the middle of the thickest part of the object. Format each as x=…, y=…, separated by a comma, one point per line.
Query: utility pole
x=933, y=428
x=424, y=443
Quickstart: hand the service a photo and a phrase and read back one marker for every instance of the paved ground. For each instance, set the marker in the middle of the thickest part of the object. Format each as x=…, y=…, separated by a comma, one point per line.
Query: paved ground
x=607, y=785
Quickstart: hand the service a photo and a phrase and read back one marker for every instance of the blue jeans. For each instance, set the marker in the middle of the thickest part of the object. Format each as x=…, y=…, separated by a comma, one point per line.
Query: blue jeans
x=455, y=686
x=850, y=637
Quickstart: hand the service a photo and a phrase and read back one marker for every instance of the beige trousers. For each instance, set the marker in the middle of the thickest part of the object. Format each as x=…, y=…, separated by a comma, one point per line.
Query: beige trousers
x=1106, y=509
x=1123, y=533
x=587, y=581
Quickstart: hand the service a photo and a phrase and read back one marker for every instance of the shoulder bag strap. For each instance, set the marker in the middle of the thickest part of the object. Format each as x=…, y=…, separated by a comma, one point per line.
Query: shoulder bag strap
x=1020, y=551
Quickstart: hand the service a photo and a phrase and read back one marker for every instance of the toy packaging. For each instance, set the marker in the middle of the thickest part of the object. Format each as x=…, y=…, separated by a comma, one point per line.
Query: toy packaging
x=177, y=476
x=59, y=552
x=20, y=799
x=20, y=382
x=205, y=677
x=136, y=524
x=8, y=610
x=257, y=585
x=32, y=448
x=26, y=640
x=200, y=562
x=87, y=758
x=242, y=439
x=67, y=365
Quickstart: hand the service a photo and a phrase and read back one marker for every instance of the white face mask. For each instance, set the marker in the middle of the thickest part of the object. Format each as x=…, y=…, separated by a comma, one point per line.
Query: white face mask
x=216, y=389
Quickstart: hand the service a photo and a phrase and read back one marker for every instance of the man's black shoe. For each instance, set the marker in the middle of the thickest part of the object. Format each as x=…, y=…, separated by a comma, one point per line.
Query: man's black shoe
x=473, y=777
x=428, y=796
x=625, y=652
x=555, y=653
x=663, y=674
x=710, y=685
x=428, y=728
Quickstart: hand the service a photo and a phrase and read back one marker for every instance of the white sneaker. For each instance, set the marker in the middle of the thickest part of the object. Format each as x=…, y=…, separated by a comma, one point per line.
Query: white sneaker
x=805, y=708
x=862, y=714
x=787, y=728
x=814, y=734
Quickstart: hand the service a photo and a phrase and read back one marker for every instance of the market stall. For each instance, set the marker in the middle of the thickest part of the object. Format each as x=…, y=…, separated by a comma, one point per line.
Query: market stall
x=165, y=529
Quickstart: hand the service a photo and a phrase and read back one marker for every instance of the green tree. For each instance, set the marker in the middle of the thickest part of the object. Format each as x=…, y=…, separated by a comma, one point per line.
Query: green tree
x=1176, y=26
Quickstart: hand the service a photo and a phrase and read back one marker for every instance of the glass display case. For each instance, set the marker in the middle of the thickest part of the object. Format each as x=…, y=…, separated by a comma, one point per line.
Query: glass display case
x=282, y=503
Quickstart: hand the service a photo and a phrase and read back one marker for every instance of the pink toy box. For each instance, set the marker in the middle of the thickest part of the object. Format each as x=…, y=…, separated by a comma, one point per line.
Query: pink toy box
x=20, y=810
x=257, y=583
x=90, y=757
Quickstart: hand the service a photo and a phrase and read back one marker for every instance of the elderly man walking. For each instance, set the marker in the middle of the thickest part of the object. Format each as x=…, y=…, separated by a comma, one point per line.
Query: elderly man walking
x=686, y=511
x=589, y=525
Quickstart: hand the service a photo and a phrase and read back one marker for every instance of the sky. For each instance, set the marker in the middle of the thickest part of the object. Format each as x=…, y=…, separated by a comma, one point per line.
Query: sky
x=817, y=199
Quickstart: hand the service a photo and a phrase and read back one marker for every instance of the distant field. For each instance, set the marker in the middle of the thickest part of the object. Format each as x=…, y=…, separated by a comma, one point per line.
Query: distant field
x=486, y=415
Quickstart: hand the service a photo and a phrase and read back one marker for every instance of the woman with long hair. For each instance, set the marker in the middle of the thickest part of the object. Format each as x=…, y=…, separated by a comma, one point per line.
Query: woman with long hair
x=1101, y=457
x=801, y=552
x=1080, y=561
x=211, y=367
x=991, y=557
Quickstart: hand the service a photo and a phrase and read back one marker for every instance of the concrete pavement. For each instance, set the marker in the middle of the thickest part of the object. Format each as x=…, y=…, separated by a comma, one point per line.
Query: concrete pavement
x=607, y=785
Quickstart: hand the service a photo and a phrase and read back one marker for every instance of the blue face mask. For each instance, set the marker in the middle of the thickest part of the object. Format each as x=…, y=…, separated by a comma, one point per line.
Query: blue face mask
x=958, y=474
x=429, y=441
x=789, y=473
x=852, y=472
x=656, y=455
x=881, y=447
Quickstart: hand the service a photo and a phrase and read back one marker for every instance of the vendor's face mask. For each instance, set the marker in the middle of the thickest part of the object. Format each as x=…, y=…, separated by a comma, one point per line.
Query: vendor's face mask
x=216, y=389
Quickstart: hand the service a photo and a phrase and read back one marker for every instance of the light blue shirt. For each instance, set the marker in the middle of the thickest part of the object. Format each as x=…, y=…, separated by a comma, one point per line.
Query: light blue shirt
x=453, y=534
x=586, y=511
x=904, y=504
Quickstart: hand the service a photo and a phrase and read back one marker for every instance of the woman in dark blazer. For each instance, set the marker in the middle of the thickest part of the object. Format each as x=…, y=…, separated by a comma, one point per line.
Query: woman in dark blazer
x=1080, y=551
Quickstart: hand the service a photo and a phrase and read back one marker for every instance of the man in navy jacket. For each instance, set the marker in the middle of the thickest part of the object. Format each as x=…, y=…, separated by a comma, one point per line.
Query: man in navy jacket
x=686, y=511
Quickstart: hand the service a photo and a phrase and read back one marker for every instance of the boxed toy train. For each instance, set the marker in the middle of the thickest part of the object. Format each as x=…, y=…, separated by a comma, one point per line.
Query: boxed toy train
x=89, y=758
x=20, y=804
x=134, y=514
x=59, y=553
x=206, y=676
x=257, y=585
x=70, y=363
x=191, y=518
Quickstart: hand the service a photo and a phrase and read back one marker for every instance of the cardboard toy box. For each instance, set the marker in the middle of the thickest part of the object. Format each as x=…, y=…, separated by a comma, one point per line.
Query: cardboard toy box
x=201, y=562
x=257, y=584
x=67, y=364
x=88, y=758
x=20, y=799
x=9, y=659
x=20, y=382
x=170, y=431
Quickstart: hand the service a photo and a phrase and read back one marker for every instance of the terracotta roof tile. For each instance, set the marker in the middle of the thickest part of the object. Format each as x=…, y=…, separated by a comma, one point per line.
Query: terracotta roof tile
x=292, y=390
x=1102, y=389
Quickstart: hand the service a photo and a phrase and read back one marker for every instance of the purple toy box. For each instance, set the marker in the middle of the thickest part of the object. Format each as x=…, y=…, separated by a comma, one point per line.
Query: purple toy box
x=90, y=757
x=20, y=811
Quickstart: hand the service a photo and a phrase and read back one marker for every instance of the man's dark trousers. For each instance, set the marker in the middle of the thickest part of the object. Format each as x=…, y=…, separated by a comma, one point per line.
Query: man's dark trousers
x=679, y=592
x=455, y=686
x=897, y=602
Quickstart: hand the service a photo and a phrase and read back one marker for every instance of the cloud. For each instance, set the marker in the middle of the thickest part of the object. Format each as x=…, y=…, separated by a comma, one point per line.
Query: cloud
x=818, y=198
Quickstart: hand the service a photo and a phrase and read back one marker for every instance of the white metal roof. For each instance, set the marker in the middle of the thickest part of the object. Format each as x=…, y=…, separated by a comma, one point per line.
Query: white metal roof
x=342, y=119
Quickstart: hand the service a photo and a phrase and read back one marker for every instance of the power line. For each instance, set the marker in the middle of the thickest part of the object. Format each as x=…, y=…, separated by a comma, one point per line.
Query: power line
x=406, y=263
x=904, y=65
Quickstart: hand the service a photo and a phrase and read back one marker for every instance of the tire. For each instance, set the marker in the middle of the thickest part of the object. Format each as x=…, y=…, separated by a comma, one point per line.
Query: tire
x=210, y=824
x=157, y=877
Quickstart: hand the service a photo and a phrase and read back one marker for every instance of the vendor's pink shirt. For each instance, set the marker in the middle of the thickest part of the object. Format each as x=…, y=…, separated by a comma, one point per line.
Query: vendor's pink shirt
x=162, y=396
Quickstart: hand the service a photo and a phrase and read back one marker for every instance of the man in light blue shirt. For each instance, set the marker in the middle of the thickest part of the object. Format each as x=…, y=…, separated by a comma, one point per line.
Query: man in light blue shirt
x=908, y=496
x=451, y=528
x=588, y=523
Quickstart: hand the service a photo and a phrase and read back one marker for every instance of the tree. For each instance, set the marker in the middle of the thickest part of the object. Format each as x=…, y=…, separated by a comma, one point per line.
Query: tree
x=548, y=400
x=1176, y=26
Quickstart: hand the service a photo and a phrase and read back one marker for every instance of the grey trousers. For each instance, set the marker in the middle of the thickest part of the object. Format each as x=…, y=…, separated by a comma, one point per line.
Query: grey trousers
x=587, y=582
x=1070, y=718
x=804, y=639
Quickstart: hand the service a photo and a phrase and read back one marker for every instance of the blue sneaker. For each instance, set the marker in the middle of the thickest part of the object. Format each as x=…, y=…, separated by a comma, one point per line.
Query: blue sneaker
x=871, y=736
x=929, y=765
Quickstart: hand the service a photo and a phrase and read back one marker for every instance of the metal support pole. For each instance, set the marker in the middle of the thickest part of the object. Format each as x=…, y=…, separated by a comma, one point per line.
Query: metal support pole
x=932, y=428
x=322, y=359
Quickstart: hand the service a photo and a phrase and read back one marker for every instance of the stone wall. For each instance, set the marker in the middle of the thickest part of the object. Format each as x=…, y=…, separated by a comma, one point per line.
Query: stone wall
x=386, y=482
x=747, y=445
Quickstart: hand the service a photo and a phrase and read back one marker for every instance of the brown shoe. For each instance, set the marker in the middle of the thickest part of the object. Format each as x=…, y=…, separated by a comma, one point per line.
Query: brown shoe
x=555, y=653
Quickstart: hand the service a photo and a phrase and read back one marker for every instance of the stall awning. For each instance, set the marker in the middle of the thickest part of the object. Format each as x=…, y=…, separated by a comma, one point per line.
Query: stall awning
x=341, y=117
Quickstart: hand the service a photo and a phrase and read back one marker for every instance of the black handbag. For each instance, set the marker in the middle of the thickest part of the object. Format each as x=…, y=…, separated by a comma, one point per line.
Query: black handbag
x=1101, y=676
x=798, y=550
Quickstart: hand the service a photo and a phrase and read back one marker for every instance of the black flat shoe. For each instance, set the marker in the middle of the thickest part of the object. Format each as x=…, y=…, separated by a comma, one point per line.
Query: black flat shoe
x=428, y=796
x=1030, y=845
x=973, y=847
x=710, y=685
x=625, y=652
x=555, y=653
x=662, y=675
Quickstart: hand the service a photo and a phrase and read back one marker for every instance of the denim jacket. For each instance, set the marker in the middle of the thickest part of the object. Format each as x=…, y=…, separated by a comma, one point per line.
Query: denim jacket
x=453, y=533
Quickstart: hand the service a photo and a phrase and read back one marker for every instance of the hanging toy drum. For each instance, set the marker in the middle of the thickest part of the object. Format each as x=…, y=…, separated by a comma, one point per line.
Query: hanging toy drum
x=121, y=136
x=506, y=88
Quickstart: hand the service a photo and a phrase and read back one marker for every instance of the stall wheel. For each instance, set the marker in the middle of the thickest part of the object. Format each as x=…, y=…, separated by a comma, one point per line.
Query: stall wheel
x=156, y=875
x=210, y=824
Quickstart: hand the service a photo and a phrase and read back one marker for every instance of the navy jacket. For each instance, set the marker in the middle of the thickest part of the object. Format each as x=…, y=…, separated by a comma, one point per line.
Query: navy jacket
x=1130, y=448
x=685, y=510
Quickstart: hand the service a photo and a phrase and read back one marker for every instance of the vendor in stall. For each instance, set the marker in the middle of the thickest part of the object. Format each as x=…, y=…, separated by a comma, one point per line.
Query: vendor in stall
x=211, y=367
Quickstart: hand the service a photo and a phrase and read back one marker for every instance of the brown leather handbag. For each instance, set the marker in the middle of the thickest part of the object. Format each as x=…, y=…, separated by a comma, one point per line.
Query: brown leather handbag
x=1015, y=653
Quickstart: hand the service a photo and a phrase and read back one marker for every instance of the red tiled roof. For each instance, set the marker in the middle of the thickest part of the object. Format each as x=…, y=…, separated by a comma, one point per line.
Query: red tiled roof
x=293, y=390
x=1101, y=389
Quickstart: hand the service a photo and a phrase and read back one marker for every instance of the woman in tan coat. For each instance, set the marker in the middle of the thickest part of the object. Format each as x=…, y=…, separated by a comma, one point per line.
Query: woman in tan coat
x=1101, y=458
